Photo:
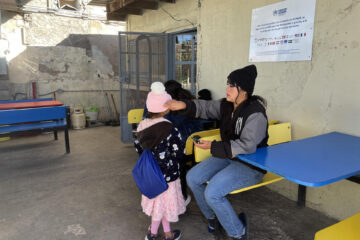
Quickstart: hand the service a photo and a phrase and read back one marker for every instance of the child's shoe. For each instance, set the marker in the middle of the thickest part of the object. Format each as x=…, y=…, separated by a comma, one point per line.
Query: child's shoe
x=176, y=235
x=149, y=237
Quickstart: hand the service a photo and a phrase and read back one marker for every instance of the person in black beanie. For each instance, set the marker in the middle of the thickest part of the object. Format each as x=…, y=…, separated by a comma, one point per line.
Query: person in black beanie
x=243, y=129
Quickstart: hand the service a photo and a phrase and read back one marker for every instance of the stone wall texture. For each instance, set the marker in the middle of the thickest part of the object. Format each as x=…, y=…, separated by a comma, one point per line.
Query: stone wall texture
x=63, y=54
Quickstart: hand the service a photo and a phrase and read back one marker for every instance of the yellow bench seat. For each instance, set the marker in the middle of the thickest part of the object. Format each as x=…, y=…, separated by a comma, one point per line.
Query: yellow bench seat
x=348, y=229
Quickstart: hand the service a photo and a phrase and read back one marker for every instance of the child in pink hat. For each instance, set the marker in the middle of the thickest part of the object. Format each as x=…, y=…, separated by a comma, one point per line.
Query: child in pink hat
x=164, y=140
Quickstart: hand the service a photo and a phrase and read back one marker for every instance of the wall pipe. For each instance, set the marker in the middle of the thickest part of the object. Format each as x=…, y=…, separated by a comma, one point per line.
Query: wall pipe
x=78, y=91
x=33, y=85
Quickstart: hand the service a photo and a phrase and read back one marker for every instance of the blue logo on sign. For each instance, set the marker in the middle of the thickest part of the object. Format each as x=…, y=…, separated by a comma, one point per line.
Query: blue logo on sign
x=280, y=12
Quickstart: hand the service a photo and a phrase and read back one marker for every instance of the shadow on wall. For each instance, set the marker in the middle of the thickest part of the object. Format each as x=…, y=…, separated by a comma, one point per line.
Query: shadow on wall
x=106, y=44
x=76, y=57
x=73, y=66
x=6, y=15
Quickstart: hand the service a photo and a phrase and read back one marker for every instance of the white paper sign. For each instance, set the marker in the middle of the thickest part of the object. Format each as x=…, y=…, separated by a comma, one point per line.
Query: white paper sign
x=282, y=31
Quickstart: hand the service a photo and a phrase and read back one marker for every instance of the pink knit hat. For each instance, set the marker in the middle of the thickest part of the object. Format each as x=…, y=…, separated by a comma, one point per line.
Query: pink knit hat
x=157, y=98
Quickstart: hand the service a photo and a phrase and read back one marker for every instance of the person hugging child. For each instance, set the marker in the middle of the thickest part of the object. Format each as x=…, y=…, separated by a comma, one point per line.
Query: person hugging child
x=164, y=140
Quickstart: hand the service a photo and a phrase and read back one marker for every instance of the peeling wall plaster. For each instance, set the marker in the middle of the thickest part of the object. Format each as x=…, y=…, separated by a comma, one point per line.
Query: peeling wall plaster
x=61, y=53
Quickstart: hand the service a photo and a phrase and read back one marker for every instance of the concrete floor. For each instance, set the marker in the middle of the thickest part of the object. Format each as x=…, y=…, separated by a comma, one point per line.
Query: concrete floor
x=46, y=194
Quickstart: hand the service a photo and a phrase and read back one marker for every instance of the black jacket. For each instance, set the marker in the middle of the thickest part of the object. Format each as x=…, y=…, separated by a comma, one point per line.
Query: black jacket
x=166, y=145
x=242, y=130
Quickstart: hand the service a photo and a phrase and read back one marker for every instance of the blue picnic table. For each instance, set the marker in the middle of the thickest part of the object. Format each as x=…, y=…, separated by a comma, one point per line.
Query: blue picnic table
x=313, y=162
x=22, y=116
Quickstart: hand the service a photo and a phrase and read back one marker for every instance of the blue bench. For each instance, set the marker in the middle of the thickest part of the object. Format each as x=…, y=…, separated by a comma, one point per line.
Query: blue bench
x=21, y=121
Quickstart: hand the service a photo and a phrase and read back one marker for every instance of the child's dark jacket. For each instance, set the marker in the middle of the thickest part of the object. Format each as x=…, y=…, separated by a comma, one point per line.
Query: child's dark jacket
x=165, y=143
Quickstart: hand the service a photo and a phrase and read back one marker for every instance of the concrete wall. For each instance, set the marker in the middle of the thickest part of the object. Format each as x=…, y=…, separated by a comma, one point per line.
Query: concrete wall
x=316, y=96
x=59, y=52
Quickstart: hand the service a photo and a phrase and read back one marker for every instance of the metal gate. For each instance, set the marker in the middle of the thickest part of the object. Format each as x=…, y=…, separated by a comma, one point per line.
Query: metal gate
x=143, y=59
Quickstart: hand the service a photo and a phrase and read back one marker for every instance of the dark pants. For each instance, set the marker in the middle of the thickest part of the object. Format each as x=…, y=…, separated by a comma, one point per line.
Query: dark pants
x=184, y=168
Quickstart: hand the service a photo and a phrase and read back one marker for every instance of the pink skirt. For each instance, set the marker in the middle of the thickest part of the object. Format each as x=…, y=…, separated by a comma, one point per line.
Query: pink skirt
x=170, y=204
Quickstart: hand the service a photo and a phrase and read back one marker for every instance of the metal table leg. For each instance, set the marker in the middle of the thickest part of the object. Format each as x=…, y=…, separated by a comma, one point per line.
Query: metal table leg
x=301, y=196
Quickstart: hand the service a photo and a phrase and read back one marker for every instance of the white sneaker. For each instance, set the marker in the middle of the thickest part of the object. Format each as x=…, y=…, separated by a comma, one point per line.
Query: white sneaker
x=188, y=200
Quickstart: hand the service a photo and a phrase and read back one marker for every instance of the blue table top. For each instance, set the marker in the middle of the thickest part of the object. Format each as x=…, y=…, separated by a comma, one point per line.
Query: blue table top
x=314, y=161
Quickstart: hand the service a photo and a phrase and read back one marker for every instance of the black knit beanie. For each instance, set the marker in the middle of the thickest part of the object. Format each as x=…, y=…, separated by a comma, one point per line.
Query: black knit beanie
x=244, y=78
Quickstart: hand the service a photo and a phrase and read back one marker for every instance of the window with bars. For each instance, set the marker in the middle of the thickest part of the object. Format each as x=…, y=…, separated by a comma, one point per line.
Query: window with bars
x=185, y=59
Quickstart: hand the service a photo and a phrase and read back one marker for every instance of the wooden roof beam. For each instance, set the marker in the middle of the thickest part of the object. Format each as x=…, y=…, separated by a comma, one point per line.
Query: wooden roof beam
x=142, y=4
x=119, y=9
x=116, y=16
x=132, y=11
x=168, y=1
x=131, y=4
x=113, y=6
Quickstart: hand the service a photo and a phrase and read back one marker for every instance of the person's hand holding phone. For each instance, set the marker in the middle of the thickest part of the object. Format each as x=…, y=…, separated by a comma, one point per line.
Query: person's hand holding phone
x=203, y=144
x=196, y=139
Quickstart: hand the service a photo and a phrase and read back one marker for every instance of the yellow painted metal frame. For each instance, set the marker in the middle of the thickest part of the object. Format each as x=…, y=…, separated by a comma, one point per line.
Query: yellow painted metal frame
x=3, y=139
x=348, y=229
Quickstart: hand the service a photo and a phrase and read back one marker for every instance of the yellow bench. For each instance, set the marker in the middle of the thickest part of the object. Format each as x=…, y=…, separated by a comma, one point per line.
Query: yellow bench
x=3, y=139
x=135, y=115
x=278, y=133
x=213, y=132
x=348, y=229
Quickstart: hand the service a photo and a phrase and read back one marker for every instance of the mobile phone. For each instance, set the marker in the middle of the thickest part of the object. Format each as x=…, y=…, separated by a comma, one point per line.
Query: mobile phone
x=196, y=138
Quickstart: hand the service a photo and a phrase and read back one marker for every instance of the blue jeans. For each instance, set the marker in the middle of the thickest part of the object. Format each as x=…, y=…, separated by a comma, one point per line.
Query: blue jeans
x=224, y=176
